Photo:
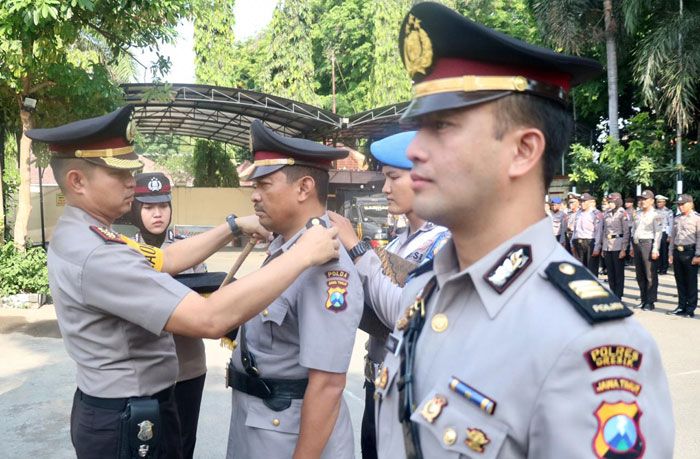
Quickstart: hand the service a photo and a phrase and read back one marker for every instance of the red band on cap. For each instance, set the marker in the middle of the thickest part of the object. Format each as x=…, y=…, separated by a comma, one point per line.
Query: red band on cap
x=448, y=67
x=115, y=142
x=145, y=190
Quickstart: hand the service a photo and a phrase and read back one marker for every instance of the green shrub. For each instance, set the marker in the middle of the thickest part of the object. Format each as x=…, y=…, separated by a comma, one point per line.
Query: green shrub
x=23, y=272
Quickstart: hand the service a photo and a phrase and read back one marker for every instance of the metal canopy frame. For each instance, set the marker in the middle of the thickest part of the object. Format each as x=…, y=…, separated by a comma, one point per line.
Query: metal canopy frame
x=224, y=114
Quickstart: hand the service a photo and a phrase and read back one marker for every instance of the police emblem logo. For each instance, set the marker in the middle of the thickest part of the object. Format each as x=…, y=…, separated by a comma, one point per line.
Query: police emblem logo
x=337, y=290
x=130, y=133
x=155, y=185
x=618, y=433
x=145, y=430
x=476, y=440
x=433, y=408
x=509, y=267
x=417, y=47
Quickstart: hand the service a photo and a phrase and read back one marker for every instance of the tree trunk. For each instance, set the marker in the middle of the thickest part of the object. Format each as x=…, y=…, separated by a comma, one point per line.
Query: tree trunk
x=612, y=69
x=2, y=192
x=24, y=203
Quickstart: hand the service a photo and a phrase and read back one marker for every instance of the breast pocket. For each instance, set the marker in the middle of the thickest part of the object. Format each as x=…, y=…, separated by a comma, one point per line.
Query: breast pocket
x=461, y=430
x=272, y=318
x=262, y=417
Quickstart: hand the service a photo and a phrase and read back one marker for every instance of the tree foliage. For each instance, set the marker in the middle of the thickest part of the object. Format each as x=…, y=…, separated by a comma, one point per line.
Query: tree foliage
x=213, y=166
x=215, y=58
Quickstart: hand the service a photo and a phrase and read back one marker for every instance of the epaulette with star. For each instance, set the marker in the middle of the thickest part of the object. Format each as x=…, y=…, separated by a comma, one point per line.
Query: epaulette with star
x=588, y=296
x=107, y=234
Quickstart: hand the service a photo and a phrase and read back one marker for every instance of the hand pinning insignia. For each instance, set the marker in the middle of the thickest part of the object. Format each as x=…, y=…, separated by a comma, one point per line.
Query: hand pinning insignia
x=508, y=268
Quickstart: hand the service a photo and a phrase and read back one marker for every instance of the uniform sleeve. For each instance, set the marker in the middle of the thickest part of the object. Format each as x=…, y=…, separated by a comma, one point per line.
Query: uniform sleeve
x=598, y=233
x=658, y=231
x=329, y=307
x=564, y=226
x=697, y=237
x=607, y=393
x=119, y=281
x=380, y=292
x=624, y=223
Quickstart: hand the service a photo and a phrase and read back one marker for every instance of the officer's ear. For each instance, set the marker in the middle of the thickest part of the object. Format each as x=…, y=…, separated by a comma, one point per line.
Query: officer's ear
x=76, y=180
x=528, y=150
x=306, y=188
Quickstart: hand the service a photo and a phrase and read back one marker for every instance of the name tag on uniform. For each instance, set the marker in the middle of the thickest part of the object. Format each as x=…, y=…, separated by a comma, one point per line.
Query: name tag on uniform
x=393, y=344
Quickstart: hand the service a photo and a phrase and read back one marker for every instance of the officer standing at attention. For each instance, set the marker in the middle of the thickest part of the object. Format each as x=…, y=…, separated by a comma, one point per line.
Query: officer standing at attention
x=117, y=307
x=586, y=230
x=613, y=241
x=667, y=215
x=684, y=256
x=288, y=371
x=630, y=211
x=557, y=216
x=646, y=243
x=151, y=213
x=506, y=347
x=418, y=244
x=573, y=209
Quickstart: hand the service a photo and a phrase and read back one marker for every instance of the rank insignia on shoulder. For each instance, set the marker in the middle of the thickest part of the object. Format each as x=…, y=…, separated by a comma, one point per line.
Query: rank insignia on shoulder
x=593, y=301
x=337, y=290
x=618, y=433
x=107, y=234
x=509, y=267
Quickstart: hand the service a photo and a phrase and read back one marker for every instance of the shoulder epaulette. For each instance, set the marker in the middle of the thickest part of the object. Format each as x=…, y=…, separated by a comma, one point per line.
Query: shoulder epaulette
x=588, y=296
x=107, y=234
x=421, y=269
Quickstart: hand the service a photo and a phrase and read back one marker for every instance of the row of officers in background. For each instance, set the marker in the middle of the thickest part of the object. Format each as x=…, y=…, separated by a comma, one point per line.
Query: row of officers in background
x=651, y=236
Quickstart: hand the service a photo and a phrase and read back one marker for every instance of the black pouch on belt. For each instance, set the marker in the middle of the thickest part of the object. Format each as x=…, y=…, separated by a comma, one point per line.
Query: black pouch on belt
x=140, y=429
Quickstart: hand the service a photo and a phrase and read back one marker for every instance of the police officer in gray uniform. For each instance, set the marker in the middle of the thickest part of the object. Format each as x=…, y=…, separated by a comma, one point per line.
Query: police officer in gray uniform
x=557, y=216
x=572, y=210
x=684, y=256
x=288, y=371
x=646, y=246
x=613, y=240
x=418, y=244
x=506, y=347
x=151, y=213
x=117, y=307
x=667, y=215
x=586, y=231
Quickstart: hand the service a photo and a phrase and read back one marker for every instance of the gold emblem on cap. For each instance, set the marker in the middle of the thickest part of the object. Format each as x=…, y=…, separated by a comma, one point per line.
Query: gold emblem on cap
x=476, y=440
x=433, y=407
x=383, y=378
x=449, y=437
x=417, y=47
x=520, y=83
x=566, y=268
x=439, y=322
x=130, y=131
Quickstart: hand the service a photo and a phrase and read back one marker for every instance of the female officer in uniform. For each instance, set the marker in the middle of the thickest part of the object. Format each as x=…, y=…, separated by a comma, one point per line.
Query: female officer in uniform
x=151, y=213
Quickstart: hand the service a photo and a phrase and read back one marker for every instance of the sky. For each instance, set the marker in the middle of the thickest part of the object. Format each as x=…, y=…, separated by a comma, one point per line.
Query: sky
x=251, y=17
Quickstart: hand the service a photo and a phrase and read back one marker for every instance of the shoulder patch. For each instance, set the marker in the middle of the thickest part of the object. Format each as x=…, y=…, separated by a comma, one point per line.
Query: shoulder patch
x=590, y=298
x=337, y=283
x=509, y=267
x=107, y=234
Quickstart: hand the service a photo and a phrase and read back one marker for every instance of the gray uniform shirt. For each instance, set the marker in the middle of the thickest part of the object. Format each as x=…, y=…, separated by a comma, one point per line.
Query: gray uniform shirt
x=379, y=289
x=528, y=349
x=667, y=220
x=648, y=225
x=312, y=325
x=686, y=231
x=615, y=231
x=191, y=358
x=557, y=219
x=111, y=307
x=587, y=224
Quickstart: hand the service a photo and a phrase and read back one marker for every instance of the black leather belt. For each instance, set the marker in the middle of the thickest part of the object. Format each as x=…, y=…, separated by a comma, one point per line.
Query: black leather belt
x=645, y=240
x=119, y=404
x=266, y=388
x=581, y=239
x=613, y=236
x=683, y=248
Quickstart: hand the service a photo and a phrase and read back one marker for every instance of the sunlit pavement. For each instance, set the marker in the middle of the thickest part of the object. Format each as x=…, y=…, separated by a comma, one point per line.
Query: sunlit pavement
x=37, y=378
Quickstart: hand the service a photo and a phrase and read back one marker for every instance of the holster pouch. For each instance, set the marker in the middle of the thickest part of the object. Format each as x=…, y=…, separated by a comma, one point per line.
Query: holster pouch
x=140, y=429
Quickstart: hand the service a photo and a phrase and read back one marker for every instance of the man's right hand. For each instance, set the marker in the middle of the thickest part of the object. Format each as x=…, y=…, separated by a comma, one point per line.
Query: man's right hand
x=318, y=245
x=346, y=233
x=250, y=225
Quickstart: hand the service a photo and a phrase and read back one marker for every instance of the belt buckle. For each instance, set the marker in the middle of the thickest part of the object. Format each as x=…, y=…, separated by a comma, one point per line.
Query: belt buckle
x=680, y=248
x=610, y=237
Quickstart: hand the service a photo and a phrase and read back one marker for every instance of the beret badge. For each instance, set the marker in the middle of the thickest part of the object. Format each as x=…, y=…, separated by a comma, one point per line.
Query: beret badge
x=417, y=47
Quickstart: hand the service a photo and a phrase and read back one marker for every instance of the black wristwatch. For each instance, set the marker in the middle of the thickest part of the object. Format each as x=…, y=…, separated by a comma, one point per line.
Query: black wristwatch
x=235, y=229
x=359, y=250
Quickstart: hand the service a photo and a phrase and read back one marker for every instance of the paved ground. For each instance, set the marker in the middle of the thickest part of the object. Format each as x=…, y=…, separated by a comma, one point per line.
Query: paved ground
x=37, y=378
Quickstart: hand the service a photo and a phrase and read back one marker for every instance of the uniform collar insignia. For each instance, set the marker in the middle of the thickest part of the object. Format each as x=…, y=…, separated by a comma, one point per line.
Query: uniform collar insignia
x=509, y=267
x=476, y=440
